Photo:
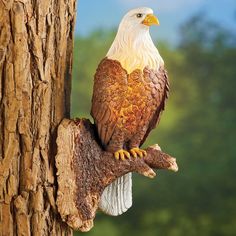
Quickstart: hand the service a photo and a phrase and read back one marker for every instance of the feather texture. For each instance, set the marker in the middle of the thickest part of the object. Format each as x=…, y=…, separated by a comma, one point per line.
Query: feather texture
x=129, y=94
x=133, y=46
x=117, y=197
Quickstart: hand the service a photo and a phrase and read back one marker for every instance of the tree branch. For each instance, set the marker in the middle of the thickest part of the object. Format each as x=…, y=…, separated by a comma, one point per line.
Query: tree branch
x=84, y=170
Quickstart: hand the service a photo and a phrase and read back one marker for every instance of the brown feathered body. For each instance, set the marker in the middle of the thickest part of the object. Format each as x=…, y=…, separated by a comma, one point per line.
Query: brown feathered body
x=126, y=107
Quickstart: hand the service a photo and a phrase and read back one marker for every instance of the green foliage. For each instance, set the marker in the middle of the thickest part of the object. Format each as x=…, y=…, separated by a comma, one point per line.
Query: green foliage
x=198, y=127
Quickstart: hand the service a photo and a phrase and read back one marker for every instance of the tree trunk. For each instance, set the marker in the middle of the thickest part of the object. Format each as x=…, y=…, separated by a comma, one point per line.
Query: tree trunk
x=36, y=43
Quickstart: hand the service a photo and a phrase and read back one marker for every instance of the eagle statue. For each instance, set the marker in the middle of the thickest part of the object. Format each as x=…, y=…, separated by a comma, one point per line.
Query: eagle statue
x=129, y=94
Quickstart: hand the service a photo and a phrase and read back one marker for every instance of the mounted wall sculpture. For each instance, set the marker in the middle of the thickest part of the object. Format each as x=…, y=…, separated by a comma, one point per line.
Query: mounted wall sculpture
x=95, y=162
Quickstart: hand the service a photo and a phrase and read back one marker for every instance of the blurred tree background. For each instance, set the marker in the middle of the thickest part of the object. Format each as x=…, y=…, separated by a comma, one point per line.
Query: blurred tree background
x=198, y=127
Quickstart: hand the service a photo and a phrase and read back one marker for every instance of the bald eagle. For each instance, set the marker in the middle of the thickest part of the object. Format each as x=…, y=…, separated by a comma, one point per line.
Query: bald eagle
x=129, y=93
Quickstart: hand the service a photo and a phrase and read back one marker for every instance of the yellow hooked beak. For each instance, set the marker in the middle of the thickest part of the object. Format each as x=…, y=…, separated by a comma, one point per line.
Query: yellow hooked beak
x=150, y=19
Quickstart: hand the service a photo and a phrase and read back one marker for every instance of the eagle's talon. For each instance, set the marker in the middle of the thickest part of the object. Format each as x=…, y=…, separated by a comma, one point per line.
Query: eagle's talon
x=144, y=153
x=122, y=154
x=137, y=152
x=134, y=154
x=116, y=154
x=127, y=154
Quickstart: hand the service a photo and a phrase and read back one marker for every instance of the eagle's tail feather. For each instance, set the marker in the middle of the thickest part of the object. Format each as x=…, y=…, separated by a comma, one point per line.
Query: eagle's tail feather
x=117, y=197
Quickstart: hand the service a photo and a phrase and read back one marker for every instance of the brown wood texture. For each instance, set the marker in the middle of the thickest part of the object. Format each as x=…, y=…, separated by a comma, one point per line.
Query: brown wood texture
x=36, y=43
x=84, y=170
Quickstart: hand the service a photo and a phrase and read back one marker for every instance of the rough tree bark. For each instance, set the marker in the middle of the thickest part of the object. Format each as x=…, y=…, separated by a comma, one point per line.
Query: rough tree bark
x=84, y=169
x=36, y=42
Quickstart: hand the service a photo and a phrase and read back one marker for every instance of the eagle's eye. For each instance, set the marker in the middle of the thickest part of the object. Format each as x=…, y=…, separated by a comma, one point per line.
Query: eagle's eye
x=139, y=15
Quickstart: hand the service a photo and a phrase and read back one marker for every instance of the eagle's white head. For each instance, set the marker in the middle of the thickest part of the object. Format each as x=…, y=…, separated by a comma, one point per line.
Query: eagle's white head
x=133, y=46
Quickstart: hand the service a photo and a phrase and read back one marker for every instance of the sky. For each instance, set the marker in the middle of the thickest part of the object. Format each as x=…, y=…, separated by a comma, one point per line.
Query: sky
x=106, y=14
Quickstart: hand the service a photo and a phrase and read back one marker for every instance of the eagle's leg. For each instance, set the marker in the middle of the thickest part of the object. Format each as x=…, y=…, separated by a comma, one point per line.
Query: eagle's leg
x=116, y=145
x=121, y=154
x=135, y=141
x=137, y=152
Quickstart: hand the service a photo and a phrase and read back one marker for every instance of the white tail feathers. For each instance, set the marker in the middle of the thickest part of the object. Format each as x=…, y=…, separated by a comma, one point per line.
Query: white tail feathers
x=117, y=197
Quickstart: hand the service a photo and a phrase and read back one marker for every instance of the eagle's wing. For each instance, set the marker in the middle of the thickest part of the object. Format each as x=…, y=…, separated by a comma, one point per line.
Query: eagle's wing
x=163, y=94
x=110, y=85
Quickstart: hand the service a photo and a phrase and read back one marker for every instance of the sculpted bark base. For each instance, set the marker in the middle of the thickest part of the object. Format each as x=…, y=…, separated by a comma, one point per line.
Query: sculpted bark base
x=84, y=170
